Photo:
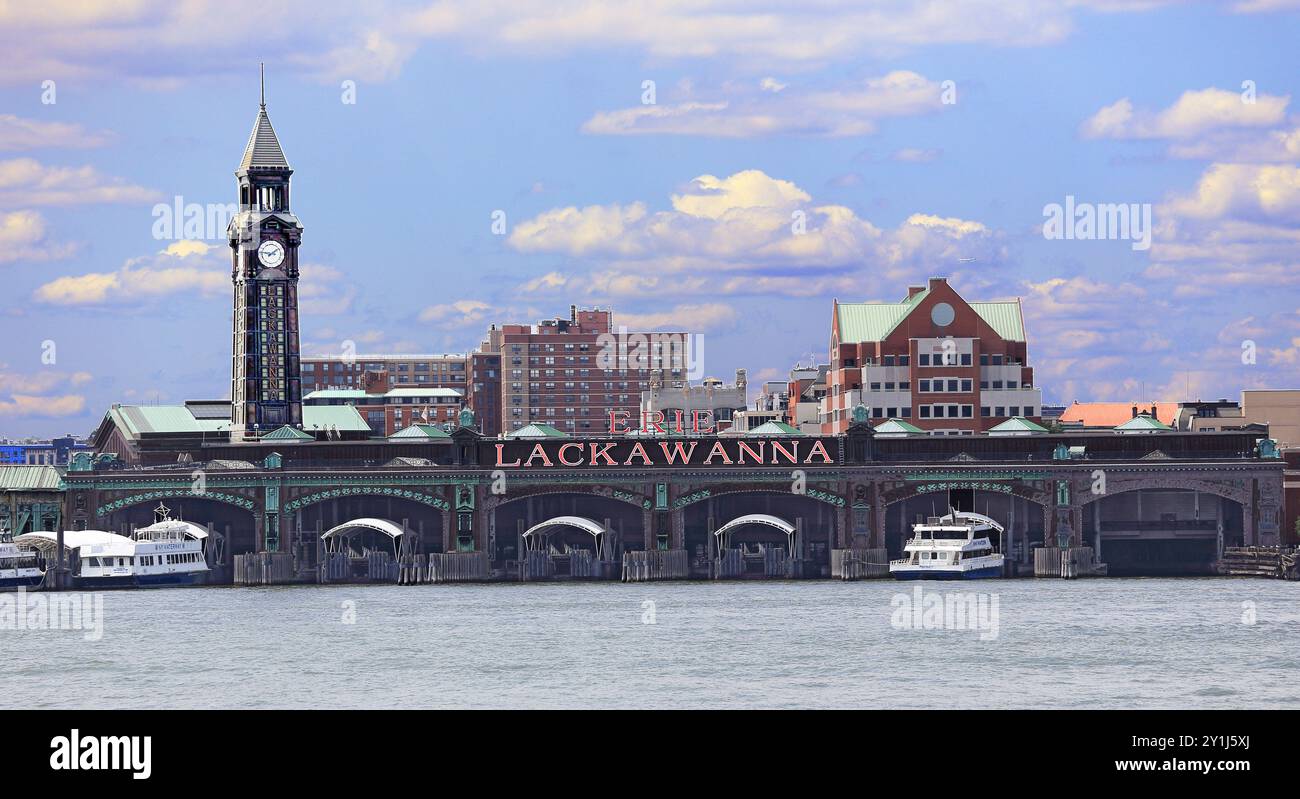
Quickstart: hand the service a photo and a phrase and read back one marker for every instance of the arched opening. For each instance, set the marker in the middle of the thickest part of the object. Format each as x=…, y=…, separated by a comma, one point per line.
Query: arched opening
x=511, y=519
x=814, y=520
x=563, y=534
x=231, y=528
x=360, y=537
x=1024, y=520
x=1154, y=531
x=422, y=523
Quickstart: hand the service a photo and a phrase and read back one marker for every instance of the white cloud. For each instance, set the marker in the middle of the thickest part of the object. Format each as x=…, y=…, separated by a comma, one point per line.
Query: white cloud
x=774, y=109
x=456, y=314
x=161, y=44
x=17, y=133
x=26, y=182
x=1193, y=114
x=749, y=224
x=30, y=394
x=23, y=237
x=700, y=318
x=181, y=268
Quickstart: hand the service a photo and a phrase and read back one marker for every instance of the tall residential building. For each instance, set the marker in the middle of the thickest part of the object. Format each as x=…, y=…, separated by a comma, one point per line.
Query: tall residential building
x=570, y=373
x=485, y=384
x=945, y=365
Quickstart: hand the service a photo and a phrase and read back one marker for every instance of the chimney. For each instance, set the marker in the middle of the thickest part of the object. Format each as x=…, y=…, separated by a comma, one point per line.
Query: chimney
x=912, y=291
x=937, y=281
x=1135, y=411
x=573, y=314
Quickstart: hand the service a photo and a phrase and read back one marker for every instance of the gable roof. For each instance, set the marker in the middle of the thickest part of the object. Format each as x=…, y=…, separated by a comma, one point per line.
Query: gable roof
x=537, y=430
x=1017, y=424
x=287, y=433
x=896, y=427
x=874, y=321
x=1141, y=423
x=775, y=428
x=424, y=431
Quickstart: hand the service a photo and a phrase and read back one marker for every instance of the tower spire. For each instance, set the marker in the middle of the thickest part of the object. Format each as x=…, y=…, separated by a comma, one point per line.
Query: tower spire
x=262, y=65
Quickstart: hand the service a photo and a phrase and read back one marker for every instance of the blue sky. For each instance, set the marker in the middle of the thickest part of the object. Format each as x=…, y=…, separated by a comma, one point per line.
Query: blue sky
x=676, y=214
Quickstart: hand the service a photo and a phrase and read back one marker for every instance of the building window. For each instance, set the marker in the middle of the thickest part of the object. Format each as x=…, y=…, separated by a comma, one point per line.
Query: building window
x=906, y=413
x=1000, y=410
x=924, y=359
x=903, y=360
x=925, y=411
x=925, y=385
x=967, y=411
x=1015, y=410
x=966, y=386
x=965, y=359
x=986, y=410
x=905, y=385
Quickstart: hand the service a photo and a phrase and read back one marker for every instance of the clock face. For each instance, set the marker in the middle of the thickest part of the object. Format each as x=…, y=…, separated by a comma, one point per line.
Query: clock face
x=271, y=253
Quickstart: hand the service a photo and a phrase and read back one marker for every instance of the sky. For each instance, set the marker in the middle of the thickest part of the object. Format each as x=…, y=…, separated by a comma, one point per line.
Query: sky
x=725, y=167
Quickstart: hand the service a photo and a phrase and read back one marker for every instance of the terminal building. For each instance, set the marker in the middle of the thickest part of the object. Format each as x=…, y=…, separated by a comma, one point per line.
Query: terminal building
x=299, y=491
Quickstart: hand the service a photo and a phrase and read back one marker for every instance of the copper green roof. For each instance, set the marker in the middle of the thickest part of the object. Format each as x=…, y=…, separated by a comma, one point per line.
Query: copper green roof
x=421, y=431
x=896, y=426
x=1142, y=422
x=138, y=420
x=537, y=430
x=287, y=433
x=874, y=321
x=1018, y=424
x=30, y=478
x=344, y=417
x=775, y=428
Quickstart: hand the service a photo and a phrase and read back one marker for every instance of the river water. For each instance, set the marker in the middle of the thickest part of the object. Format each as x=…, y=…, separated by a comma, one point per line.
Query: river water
x=1103, y=643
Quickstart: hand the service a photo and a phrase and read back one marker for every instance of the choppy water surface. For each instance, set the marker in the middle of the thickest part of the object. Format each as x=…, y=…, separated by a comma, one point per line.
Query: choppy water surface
x=1180, y=643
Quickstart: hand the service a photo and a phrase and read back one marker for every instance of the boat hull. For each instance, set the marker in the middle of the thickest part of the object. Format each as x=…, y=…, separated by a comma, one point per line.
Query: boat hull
x=983, y=573
x=7, y=583
x=142, y=580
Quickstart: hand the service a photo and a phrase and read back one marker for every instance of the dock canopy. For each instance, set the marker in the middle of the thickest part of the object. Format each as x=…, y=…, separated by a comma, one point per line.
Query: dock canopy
x=535, y=533
x=99, y=542
x=357, y=525
x=756, y=518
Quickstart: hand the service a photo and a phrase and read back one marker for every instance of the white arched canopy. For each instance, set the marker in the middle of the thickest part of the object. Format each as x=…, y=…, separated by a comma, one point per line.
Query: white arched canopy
x=357, y=525
x=106, y=543
x=723, y=533
x=538, y=531
x=346, y=530
x=958, y=516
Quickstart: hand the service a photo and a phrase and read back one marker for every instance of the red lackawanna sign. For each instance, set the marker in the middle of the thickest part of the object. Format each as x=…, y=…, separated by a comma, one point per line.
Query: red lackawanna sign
x=642, y=452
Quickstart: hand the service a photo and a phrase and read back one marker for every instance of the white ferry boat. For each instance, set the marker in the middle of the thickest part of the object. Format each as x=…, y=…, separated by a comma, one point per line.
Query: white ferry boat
x=952, y=547
x=170, y=552
x=167, y=552
x=19, y=567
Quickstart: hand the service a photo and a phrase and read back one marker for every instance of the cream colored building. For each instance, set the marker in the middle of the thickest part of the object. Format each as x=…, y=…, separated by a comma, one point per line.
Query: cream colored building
x=1277, y=408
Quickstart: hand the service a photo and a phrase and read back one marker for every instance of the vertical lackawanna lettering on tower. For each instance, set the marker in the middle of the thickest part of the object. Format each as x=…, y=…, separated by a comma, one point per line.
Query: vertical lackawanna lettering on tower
x=265, y=387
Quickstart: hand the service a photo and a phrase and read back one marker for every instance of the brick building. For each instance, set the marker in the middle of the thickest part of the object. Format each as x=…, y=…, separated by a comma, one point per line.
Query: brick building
x=570, y=373
x=941, y=363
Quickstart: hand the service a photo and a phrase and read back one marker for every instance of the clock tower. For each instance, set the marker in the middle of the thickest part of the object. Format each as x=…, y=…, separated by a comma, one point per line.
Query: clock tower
x=265, y=387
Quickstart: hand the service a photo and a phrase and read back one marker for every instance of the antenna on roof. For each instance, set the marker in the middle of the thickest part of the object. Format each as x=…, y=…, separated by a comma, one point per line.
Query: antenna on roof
x=262, y=66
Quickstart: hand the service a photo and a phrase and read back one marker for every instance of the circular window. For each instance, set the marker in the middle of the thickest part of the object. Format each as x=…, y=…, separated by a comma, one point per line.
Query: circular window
x=942, y=314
